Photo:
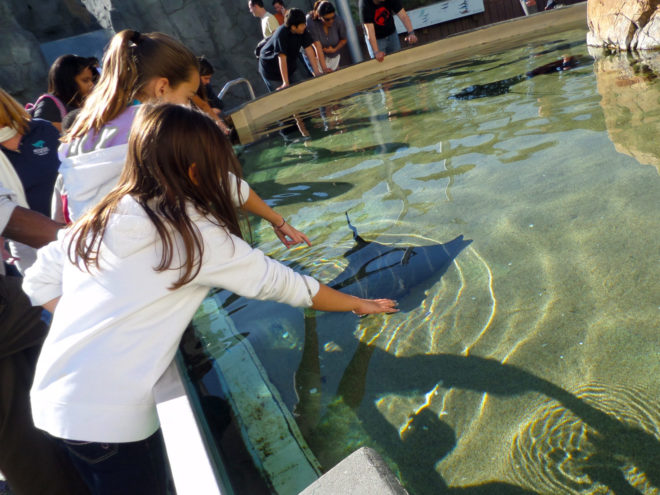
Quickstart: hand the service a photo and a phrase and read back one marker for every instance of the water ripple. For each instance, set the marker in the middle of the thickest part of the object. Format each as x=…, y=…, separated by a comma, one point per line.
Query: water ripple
x=556, y=452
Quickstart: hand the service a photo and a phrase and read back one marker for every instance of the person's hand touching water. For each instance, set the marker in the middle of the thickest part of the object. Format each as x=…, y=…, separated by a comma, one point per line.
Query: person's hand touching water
x=289, y=235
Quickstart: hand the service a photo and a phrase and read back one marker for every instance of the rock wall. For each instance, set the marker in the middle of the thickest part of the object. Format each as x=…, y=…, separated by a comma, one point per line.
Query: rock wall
x=22, y=67
x=224, y=32
x=624, y=24
x=24, y=25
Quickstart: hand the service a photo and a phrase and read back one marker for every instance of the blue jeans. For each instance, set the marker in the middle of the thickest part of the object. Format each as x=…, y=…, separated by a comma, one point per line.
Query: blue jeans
x=273, y=84
x=131, y=468
x=389, y=44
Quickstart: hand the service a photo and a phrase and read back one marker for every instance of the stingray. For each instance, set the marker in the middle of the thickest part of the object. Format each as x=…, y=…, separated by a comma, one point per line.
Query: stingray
x=504, y=86
x=377, y=270
x=372, y=270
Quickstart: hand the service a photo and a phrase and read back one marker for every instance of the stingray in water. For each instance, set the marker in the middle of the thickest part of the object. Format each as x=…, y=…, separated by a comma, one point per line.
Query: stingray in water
x=374, y=270
x=503, y=86
x=378, y=271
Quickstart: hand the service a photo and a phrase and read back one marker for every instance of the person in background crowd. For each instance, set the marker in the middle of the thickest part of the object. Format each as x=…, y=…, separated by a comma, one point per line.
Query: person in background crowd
x=328, y=30
x=95, y=67
x=277, y=59
x=280, y=10
x=205, y=99
x=70, y=80
x=30, y=459
x=268, y=22
x=206, y=72
x=377, y=17
x=124, y=282
x=29, y=161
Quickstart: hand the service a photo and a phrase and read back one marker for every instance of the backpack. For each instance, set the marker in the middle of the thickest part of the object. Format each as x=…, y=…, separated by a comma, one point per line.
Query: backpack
x=260, y=45
x=29, y=107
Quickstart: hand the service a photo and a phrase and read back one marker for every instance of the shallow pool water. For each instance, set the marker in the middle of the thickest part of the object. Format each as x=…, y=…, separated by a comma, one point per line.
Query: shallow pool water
x=529, y=361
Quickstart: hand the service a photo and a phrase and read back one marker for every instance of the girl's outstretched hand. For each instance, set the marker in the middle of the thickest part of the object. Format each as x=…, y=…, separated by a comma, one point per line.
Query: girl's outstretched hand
x=372, y=306
x=290, y=236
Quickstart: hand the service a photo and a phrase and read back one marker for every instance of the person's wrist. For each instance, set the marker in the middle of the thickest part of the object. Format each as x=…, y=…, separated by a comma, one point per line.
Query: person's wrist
x=411, y=32
x=278, y=225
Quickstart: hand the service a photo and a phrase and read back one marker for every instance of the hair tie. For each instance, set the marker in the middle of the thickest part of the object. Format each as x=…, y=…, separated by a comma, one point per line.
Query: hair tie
x=135, y=37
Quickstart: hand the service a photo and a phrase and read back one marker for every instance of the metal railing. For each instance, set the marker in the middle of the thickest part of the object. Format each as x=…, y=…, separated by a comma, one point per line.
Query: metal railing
x=234, y=82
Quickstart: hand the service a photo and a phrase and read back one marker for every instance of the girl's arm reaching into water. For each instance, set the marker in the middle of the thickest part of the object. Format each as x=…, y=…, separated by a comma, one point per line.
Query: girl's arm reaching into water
x=231, y=263
x=327, y=299
x=285, y=232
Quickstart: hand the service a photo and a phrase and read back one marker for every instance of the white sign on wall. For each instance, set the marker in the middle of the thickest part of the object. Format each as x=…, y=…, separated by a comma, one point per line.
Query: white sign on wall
x=440, y=12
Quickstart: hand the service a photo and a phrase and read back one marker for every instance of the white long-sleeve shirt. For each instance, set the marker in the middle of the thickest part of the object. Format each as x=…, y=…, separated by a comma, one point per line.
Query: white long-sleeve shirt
x=116, y=329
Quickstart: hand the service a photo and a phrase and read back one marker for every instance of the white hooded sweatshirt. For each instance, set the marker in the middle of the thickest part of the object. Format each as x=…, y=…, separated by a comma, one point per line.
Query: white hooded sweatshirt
x=116, y=329
x=91, y=165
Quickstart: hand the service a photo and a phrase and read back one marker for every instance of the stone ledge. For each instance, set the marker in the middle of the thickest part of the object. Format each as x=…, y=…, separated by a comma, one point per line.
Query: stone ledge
x=364, y=472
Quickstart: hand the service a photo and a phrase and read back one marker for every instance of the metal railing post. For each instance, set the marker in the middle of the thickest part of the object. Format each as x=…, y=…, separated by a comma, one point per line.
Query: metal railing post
x=351, y=32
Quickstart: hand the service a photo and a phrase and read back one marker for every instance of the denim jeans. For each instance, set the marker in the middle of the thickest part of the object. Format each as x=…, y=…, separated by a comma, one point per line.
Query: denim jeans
x=273, y=84
x=389, y=44
x=131, y=468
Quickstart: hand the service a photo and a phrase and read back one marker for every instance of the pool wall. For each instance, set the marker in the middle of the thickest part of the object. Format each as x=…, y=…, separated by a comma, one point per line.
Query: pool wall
x=254, y=116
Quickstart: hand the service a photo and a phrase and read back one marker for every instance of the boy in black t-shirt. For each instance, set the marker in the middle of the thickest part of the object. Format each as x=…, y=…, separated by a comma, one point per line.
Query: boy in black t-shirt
x=377, y=17
x=278, y=57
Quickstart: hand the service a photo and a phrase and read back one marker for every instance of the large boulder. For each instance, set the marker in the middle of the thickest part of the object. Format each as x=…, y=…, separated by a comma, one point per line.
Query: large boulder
x=624, y=24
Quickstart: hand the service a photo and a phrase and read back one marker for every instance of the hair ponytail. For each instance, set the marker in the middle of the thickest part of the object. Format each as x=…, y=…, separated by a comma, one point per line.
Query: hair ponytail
x=130, y=62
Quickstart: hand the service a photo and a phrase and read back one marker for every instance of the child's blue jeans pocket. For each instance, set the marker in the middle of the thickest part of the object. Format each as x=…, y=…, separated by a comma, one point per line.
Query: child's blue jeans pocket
x=91, y=452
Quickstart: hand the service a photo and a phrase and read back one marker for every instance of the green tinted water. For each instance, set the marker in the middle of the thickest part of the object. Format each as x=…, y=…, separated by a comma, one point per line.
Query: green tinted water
x=533, y=362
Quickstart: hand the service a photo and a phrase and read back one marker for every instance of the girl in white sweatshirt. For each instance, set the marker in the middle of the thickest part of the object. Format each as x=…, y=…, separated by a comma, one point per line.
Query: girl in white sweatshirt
x=125, y=281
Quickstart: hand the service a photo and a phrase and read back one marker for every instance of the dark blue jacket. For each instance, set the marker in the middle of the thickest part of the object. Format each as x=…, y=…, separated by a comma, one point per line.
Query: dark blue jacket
x=36, y=163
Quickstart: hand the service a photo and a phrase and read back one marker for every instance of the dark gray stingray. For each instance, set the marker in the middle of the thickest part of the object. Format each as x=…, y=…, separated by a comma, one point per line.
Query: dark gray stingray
x=504, y=86
x=378, y=271
x=374, y=270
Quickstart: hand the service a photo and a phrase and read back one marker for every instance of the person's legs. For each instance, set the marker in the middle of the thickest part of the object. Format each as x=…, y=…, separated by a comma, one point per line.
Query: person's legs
x=304, y=67
x=30, y=460
x=390, y=44
x=271, y=85
x=122, y=468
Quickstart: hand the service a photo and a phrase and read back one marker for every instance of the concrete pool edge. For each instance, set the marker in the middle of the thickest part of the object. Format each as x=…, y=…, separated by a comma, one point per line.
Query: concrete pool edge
x=256, y=115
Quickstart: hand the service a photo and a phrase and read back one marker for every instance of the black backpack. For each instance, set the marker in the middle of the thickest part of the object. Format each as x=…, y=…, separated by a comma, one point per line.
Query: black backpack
x=29, y=107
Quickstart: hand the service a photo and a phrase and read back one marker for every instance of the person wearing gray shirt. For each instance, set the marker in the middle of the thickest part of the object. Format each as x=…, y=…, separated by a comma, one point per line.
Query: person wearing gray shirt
x=328, y=30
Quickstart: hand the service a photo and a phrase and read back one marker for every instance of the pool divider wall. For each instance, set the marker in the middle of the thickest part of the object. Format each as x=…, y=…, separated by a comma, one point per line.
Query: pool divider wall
x=268, y=429
x=250, y=119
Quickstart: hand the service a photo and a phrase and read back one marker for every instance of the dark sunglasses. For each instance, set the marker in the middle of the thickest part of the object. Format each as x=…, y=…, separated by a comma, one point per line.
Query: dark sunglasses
x=329, y=18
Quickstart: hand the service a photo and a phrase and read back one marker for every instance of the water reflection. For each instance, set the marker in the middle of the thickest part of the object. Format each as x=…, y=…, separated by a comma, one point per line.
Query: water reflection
x=628, y=85
x=276, y=194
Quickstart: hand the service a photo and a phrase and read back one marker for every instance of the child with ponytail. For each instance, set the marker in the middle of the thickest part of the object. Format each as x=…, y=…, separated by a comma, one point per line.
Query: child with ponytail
x=137, y=68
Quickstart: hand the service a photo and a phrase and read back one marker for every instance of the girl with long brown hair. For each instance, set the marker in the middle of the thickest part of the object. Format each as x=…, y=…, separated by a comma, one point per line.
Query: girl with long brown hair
x=125, y=280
